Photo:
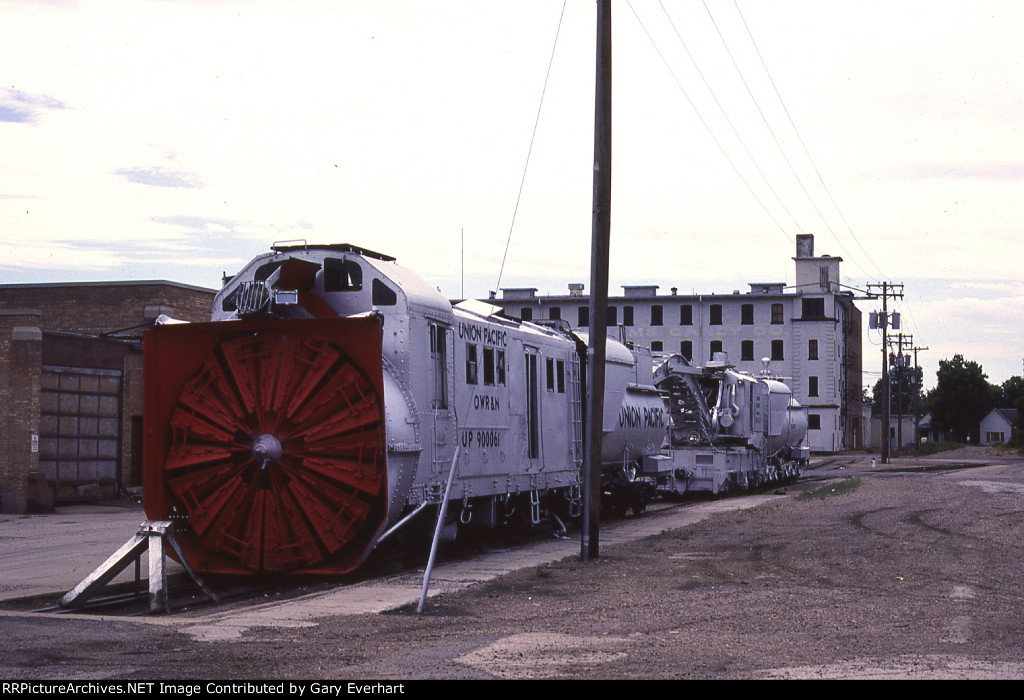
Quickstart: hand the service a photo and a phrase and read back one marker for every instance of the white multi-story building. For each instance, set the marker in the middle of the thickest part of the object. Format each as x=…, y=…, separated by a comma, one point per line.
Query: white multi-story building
x=810, y=332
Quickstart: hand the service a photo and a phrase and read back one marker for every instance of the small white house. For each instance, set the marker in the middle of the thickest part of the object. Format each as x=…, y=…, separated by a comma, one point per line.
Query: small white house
x=997, y=427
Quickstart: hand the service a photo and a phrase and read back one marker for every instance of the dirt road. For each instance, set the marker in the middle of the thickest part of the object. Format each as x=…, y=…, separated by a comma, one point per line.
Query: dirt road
x=898, y=575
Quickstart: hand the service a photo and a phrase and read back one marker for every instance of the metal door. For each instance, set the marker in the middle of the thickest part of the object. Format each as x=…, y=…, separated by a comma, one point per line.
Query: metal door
x=80, y=432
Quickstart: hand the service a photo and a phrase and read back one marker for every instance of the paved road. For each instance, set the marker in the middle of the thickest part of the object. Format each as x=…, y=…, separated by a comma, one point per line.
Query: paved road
x=47, y=553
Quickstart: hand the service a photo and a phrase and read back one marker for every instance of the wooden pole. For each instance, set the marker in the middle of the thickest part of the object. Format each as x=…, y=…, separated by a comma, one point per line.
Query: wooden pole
x=887, y=412
x=599, y=254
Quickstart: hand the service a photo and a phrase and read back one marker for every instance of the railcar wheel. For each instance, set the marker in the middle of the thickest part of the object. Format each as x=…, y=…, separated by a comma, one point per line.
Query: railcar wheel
x=637, y=499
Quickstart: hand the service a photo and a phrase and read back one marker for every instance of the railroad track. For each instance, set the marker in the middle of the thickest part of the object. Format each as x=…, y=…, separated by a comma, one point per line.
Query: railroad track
x=185, y=596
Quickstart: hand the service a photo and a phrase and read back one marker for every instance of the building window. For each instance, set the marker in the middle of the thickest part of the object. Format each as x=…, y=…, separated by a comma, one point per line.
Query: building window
x=812, y=349
x=656, y=346
x=747, y=350
x=686, y=315
x=656, y=312
x=995, y=437
x=812, y=386
x=813, y=309
x=747, y=315
x=583, y=317
x=555, y=313
x=778, y=350
x=471, y=363
x=526, y=314
x=627, y=315
x=686, y=349
x=823, y=278
x=613, y=316
x=716, y=315
x=813, y=421
x=777, y=314
x=716, y=346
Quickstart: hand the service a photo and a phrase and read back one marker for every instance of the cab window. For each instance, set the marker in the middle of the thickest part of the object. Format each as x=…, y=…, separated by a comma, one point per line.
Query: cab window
x=342, y=275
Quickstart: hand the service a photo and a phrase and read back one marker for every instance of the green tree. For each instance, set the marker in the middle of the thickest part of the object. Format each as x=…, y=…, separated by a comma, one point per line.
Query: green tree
x=904, y=387
x=1012, y=391
x=962, y=396
x=1013, y=397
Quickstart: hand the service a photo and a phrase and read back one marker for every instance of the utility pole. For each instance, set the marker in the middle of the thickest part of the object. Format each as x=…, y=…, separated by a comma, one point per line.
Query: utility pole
x=917, y=400
x=900, y=363
x=599, y=254
x=882, y=320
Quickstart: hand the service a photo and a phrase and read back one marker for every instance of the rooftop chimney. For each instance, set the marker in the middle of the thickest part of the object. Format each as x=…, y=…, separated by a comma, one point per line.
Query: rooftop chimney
x=805, y=245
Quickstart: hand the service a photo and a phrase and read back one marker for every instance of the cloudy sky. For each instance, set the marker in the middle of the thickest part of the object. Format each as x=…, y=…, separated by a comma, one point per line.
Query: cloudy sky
x=154, y=139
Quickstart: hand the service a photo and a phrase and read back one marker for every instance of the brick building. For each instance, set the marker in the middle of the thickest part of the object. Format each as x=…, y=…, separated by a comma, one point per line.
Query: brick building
x=810, y=332
x=71, y=384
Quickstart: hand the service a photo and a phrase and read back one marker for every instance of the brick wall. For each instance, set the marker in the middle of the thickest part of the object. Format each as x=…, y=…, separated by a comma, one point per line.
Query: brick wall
x=103, y=307
x=20, y=363
x=30, y=312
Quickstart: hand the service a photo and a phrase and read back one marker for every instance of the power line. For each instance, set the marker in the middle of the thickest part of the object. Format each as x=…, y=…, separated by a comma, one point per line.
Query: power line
x=801, y=140
x=529, y=150
x=728, y=120
x=775, y=138
x=902, y=306
x=706, y=125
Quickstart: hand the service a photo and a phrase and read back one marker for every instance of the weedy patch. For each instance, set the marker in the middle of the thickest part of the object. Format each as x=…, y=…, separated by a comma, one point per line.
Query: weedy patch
x=930, y=448
x=544, y=572
x=829, y=490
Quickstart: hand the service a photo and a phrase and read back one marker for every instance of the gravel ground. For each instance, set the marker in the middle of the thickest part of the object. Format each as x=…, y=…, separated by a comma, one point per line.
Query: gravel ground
x=887, y=575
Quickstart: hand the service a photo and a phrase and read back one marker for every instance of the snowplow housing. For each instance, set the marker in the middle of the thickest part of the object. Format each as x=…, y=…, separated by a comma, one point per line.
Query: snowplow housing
x=264, y=442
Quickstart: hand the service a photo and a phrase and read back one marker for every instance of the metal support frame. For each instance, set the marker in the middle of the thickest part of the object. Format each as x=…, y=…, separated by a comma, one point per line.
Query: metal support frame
x=153, y=535
x=442, y=509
